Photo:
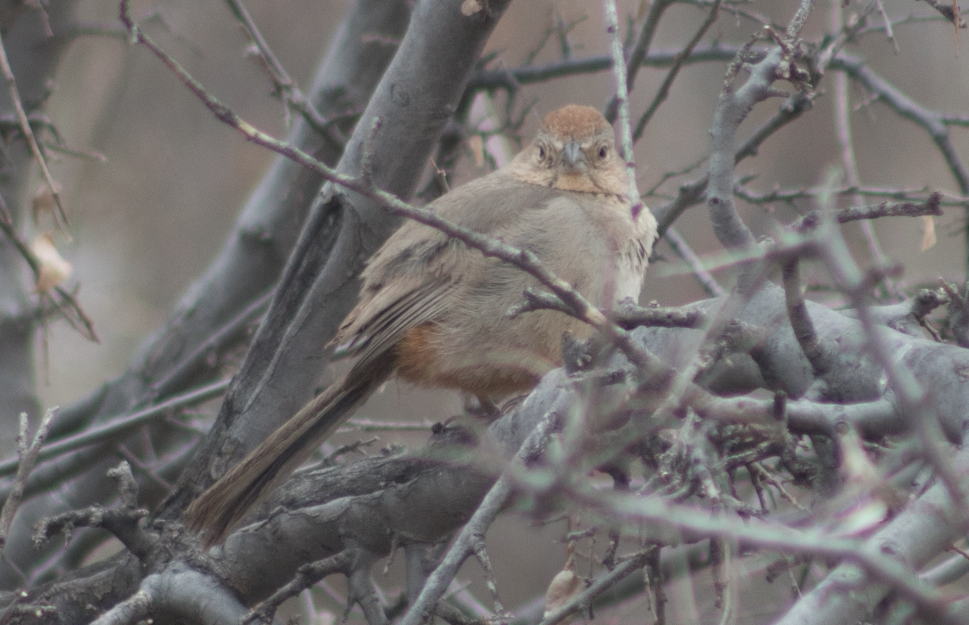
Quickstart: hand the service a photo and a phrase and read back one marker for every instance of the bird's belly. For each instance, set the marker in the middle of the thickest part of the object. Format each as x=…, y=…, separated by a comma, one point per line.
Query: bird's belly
x=494, y=367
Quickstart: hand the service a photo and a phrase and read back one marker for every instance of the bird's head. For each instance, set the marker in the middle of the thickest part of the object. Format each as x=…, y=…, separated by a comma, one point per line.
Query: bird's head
x=575, y=150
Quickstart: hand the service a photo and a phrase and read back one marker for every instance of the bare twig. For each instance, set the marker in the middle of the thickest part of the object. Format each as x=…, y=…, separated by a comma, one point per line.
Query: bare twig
x=357, y=424
x=463, y=545
x=639, y=51
x=289, y=91
x=692, y=192
x=121, y=425
x=601, y=584
x=910, y=396
x=663, y=92
x=122, y=521
x=848, y=162
x=622, y=98
x=703, y=276
x=662, y=513
x=799, y=19
x=887, y=22
x=27, y=454
x=931, y=206
x=29, y=134
x=911, y=199
x=306, y=577
x=180, y=371
x=930, y=121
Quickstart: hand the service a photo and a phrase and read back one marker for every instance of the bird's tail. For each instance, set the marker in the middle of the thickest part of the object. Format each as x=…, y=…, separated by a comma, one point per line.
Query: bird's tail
x=220, y=508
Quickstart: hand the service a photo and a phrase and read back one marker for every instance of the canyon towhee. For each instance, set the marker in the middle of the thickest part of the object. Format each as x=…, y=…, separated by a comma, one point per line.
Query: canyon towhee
x=433, y=311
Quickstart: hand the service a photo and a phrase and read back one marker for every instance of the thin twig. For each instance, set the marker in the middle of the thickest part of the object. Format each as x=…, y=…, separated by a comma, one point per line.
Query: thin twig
x=600, y=585
x=27, y=454
x=181, y=370
x=639, y=51
x=931, y=206
x=306, y=577
x=29, y=134
x=369, y=425
x=691, y=193
x=849, y=163
x=908, y=393
x=289, y=91
x=911, y=199
x=482, y=518
x=930, y=121
x=120, y=425
x=684, y=251
x=671, y=75
x=799, y=19
x=684, y=518
x=622, y=97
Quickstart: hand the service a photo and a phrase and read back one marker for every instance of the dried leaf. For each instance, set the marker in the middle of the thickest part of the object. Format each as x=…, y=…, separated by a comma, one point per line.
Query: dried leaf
x=53, y=268
x=477, y=149
x=43, y=200
x=564, y=586
x=928, y=232
x=470, y=7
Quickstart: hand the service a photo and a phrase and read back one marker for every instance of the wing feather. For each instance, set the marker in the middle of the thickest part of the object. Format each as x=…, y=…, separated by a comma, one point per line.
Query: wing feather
x=406, y=283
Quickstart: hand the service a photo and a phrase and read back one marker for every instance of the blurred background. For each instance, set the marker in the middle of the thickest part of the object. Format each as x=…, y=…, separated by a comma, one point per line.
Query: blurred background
x=150, y=218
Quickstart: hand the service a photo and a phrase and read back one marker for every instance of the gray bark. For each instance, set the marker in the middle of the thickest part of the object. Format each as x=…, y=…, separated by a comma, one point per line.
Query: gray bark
x=247, y=266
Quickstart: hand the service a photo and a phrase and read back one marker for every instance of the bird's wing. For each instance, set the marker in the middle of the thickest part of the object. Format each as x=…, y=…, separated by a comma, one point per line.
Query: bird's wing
x=406, y=283
x=371, y=330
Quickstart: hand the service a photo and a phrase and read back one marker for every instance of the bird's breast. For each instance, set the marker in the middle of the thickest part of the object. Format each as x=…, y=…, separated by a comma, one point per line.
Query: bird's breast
x=631, y=238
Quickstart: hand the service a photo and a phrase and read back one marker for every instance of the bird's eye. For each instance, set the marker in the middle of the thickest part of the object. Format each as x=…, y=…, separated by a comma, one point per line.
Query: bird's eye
x=541, y=152
x=603, y=152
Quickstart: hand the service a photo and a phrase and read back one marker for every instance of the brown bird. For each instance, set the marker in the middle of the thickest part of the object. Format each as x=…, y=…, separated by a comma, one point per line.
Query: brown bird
x=433, y=311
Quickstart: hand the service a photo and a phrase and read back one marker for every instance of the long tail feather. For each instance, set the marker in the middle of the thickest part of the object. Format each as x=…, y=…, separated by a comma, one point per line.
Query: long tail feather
x=220, y=508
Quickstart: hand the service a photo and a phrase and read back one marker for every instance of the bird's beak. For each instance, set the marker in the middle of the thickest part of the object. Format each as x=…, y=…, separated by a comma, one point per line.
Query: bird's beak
x=572, y=157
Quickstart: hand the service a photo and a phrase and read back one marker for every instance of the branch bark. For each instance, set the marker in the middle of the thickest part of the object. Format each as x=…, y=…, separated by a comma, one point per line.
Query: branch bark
x=247, y=266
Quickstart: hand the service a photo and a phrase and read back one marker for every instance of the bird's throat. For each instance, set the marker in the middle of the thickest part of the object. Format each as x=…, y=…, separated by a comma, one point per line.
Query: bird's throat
x=581, y=183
